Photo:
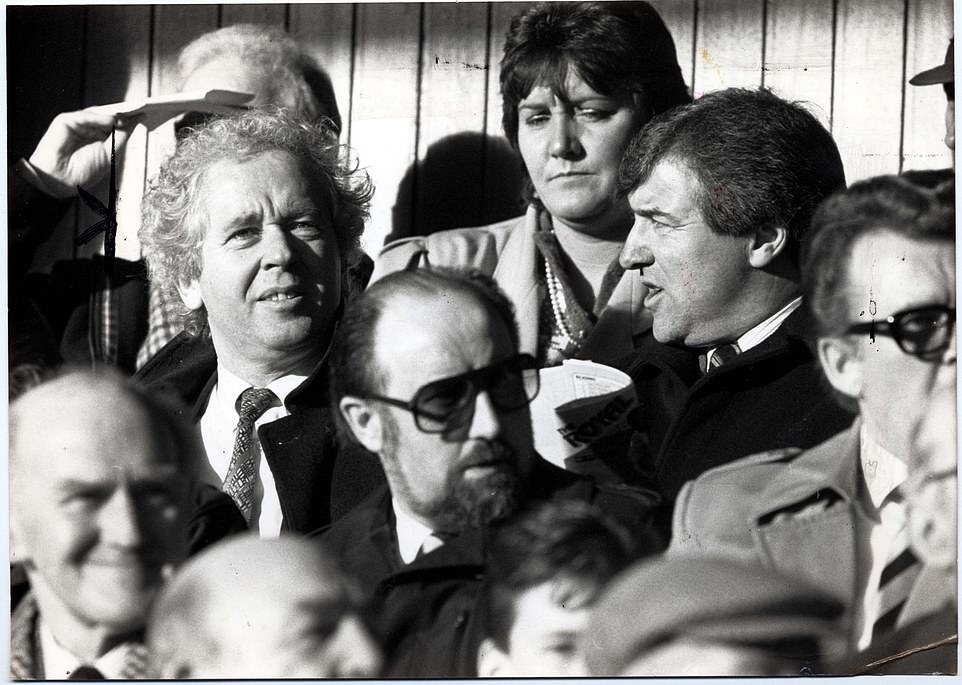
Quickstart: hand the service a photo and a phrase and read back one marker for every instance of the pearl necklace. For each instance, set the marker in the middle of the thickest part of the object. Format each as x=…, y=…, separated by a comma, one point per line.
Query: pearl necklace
x=555, y=295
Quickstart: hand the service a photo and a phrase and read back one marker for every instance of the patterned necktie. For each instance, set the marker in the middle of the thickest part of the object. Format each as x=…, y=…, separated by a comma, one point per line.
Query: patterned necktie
x=722, y=355
x=901, y=569
x=242, y=474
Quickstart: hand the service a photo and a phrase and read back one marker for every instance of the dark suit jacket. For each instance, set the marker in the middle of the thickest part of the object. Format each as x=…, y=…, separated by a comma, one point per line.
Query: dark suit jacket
x=769, y=397
x=427, y=611
x=316, y=483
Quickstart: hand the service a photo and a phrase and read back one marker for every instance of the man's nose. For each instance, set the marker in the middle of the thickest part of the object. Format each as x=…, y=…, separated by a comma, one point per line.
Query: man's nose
x=486, y=421
x=276, y=247
x=120, y=521
x=565, y=142
x=636, y=253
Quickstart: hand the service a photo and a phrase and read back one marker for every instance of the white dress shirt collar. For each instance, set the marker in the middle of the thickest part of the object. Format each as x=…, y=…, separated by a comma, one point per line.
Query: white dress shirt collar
x=411, y=534
x=229, y=387
x=882, y=470
x=757, y=334
x=59, y=662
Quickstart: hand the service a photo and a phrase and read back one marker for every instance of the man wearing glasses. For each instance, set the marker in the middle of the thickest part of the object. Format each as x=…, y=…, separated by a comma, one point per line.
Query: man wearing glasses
x=879, y=278
x=426, y=374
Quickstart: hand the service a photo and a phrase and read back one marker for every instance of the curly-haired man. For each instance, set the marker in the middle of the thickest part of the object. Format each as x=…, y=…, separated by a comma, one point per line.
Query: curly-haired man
x=254, y=224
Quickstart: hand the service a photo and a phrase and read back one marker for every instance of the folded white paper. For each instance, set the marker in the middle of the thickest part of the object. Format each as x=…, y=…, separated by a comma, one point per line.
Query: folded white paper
x=579, y=403
x=156, y=110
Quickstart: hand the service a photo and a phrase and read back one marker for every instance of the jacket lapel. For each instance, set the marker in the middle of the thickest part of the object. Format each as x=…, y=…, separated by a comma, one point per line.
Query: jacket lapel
x=516, y=274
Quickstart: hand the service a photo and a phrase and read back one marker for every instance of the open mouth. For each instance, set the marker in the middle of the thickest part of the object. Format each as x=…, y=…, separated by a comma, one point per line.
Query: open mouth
x=280, y=295
x=653, y=292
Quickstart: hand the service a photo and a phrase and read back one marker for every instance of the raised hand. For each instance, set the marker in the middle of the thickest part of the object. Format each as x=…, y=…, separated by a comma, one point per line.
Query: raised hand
x=75, y=149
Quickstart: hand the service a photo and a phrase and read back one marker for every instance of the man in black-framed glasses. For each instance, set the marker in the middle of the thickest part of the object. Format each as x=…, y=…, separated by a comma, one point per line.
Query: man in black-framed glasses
x=426, y=374
x=878, y=274
x=924, y=332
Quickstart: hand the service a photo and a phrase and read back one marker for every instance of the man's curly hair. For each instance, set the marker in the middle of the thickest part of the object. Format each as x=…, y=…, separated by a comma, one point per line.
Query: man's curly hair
x=172, y=231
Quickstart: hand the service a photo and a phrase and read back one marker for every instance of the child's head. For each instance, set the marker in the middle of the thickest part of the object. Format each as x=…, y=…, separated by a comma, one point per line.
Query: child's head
x=546, y=569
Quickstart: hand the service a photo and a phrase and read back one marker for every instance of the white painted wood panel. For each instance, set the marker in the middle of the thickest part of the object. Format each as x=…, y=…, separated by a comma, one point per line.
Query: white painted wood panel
x=869, y=81
x=798, y=53
x=928, y=32
x=397, y=101
x=384, y=110
x=728, y=45
x=327, y=31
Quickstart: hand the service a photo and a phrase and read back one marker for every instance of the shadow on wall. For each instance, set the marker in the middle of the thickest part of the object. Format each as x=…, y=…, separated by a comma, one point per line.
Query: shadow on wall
x=467, y=179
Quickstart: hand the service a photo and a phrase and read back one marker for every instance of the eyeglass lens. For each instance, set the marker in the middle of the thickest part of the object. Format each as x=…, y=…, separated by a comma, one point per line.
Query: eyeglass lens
x=444, y=403
x=924, y=330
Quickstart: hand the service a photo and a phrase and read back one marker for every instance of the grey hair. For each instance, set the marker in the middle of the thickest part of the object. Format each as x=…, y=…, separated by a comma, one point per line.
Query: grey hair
x=171, y=233
x=293, y=77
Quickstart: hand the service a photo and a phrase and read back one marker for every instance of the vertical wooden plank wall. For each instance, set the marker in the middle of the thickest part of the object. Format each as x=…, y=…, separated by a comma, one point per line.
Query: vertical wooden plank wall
x=446, y=177
x=730, y=47
x=798, y=53
x=328, y=33
x=866, y=118
x=419, y=83
x=928, y=30
x=384, y=99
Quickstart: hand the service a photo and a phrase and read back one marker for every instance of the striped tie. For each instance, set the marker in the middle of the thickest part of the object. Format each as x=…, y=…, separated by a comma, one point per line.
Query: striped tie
x=722, y=355
x=242, y=473
x=901, y=569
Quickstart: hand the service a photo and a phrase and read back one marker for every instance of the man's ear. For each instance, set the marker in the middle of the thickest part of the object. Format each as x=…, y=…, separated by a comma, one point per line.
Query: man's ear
x=767, y=244
x=842, y=365
x=492, y=662
x=190, y=294
x=364, y=422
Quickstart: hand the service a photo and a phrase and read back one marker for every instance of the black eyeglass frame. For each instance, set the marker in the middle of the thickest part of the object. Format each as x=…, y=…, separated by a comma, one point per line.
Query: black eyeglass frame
x=894, y=327
x=478, y=379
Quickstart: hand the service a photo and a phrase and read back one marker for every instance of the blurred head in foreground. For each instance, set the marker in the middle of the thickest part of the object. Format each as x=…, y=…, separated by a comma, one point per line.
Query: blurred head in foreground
x=709, y=617
x=253, y=608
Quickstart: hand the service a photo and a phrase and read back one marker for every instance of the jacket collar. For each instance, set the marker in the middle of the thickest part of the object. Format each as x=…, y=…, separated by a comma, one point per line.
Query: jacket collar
x=26, y=661
x=832, y=465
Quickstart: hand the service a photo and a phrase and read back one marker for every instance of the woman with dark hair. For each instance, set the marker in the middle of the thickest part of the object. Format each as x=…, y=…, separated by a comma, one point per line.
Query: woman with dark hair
x=578, y=80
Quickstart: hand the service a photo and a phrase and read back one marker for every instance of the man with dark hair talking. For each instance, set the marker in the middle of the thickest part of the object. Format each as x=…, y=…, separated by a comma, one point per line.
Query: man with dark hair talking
x=879, y=279
x=722, y=191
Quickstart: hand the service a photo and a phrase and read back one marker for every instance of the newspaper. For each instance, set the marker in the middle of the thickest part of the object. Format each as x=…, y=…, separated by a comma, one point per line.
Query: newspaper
x=580, y=402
